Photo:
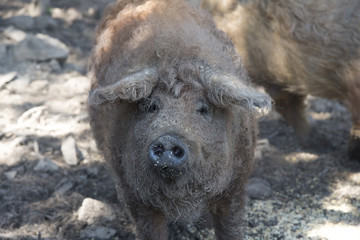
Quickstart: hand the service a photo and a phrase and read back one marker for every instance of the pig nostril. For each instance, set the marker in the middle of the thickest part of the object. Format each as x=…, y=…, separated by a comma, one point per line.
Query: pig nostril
x=168, y=153
x=178, y=152
x=158, y=150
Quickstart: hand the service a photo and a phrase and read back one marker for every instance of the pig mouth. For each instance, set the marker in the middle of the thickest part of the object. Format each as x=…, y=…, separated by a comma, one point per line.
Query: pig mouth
x=170, y=173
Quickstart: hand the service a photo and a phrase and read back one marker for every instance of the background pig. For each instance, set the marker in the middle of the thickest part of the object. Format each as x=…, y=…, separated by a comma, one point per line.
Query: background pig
x=173, y=112
x=295, y=48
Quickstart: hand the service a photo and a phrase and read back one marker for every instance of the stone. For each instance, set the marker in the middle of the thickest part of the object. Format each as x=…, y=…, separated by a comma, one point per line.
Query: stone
x=15, y=34
x=258, y=188
x=10, y=175
x=40, y=47
x=6, y=54
x=69, y=151
x=64, y=186
x=22, y=22
x=19, y=85
x=261, y=146
x=55, y=66
x=46, y=165
x=6, y=78
x=39, y=7
x=39, y=84
x=45, y=23
x=31, y=116
x=92, y=211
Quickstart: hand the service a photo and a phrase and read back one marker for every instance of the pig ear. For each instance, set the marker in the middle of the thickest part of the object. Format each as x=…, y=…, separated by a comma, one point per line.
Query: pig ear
x=131, y=88
x=225, y=90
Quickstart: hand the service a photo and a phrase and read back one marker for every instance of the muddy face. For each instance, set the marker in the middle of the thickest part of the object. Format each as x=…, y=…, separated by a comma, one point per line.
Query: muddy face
x=177, y=148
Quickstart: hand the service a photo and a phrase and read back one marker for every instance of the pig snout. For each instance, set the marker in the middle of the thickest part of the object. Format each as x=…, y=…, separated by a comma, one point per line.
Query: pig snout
x=167, y=153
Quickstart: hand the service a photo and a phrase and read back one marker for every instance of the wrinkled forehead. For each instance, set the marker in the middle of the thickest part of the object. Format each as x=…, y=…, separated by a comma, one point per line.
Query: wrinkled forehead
x=185, y=94
x=183, y=77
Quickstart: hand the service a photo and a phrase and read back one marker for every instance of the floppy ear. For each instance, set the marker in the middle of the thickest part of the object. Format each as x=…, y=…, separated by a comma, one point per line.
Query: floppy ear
x=132, y=88
x=223, y=90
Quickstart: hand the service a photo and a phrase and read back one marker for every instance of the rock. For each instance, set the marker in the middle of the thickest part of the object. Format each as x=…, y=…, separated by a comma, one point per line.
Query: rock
x=39, y=7
x=69, y=15
x=55, y=66
x=40, y=47
x=45, y=23
x=258, y=188
x=15, y=34
x=97, y=232
x=19, y=141
x=20, y=85
x=72, y=14
x=39, y=85
x=6, y=78
x=93, y=210
x=46, y=165
x=63, y=186
x=31, y=116
x=69, y=151
x=6, y=54
x=10, y=175
x=21, y=22
x=261, y=146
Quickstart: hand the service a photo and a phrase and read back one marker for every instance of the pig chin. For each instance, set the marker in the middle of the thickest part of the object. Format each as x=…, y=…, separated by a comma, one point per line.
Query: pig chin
x=180, y=196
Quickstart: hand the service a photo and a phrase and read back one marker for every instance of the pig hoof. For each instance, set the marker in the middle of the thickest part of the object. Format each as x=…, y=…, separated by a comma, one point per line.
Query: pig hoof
x=318, y=139
x=354, y=149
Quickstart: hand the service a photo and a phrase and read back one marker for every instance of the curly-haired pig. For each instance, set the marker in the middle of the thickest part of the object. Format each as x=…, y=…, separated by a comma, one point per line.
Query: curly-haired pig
x=174, y=114
x=296, y=48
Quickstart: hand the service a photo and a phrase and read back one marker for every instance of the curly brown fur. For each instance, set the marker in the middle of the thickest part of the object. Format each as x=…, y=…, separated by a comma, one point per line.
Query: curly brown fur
x=162, y=67
x=295, y=48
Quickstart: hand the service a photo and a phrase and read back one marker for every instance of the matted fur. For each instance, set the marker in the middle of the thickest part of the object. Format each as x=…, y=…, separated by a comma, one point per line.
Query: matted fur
x=162, y=67
x=298, y=47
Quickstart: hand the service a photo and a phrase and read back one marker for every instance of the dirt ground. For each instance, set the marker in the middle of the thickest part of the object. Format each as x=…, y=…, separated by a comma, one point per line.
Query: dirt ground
x=296, y=192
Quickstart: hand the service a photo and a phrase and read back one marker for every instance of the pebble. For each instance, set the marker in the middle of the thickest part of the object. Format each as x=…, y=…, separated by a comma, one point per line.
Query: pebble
x=10, y=175
x=20, y=85
x=40, y=47
x=69, y=151
x=3, y=51
x=63, y=186
x=15, y=34
x=92, y=210
x=28, y=23
x=39, y=7
x=46, y=165
x=21, y=22
x=261, y=146
x=55, y=65
x=39, y=84
x=45, y=23
x=6, y=78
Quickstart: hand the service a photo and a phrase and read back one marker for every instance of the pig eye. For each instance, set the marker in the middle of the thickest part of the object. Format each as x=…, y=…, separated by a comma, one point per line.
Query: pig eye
x=203, y=109
x=153, y=107
x=150, y=105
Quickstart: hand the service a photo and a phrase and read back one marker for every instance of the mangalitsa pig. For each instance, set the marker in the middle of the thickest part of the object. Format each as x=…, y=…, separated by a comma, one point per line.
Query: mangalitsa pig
x=296, y=48
x=174, y=114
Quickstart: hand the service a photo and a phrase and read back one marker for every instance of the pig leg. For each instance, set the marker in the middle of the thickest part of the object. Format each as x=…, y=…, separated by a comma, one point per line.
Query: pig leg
x=292, y=108
x=150, y=224
x=227, y=217
x=353, y=101
x=354, y=143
